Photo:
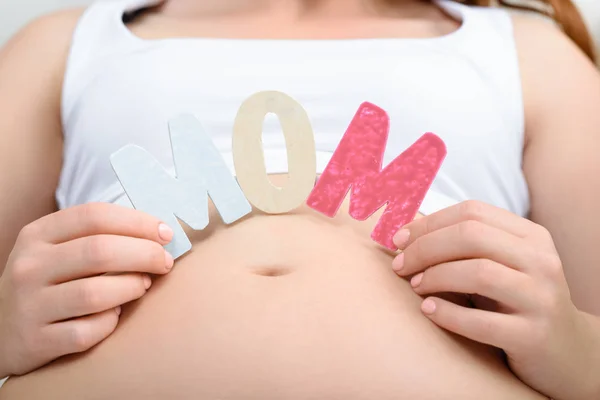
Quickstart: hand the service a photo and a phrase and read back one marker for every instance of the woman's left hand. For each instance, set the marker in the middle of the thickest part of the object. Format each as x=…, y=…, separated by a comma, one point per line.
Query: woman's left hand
x=475, y=248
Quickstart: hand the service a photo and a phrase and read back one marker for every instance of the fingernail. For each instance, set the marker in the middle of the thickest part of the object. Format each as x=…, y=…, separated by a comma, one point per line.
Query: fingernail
x=147, y=282
x=416, y=280
x=428, y=306
x=118, y=310
x=165, y=233
x=401, y=238
x=169, y=260
x=398, y=262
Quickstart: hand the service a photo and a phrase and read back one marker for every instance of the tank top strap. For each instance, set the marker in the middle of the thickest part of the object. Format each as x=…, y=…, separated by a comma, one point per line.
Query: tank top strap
x=486, y=41
x=99, y=37
x=486, y=44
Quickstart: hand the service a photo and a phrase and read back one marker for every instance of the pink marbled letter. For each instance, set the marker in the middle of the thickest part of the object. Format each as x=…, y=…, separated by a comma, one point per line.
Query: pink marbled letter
x=357, y=163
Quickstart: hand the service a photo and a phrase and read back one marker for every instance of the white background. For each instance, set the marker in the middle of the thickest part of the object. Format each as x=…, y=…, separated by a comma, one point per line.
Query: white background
x=15, y=13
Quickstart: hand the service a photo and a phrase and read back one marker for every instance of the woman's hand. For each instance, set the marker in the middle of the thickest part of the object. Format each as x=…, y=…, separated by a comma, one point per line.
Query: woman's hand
x=67, y=277
x=525, y=306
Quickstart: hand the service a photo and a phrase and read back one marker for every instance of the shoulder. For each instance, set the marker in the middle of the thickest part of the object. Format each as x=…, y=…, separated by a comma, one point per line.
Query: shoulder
x=36, y=57
x=540, y=39
x=555, y=73
x=54, y=30
x=44, y=40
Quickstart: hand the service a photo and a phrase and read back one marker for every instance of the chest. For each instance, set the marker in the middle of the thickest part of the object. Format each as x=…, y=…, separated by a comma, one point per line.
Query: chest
x=130, y=101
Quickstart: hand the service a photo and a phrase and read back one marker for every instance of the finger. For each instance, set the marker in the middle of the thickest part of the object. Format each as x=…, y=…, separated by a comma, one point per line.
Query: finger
x=494, y=329
x=98, y=218
x=94, y=295
x=81, y=334
x=99, y=254
x=465, y=240
x=465, y=211
x=478, y=276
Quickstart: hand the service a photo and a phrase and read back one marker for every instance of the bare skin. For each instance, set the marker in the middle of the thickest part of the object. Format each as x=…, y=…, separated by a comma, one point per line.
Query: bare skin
x=238, y=288
x=300, y=305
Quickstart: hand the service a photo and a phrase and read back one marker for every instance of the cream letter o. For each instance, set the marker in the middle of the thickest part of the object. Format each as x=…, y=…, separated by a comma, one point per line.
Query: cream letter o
x=249, y=159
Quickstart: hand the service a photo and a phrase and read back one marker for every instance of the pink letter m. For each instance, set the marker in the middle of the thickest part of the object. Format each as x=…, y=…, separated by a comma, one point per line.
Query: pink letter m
x=356, y=164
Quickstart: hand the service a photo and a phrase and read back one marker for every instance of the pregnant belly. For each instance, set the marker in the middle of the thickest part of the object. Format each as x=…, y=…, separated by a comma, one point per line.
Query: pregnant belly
x=296, y=306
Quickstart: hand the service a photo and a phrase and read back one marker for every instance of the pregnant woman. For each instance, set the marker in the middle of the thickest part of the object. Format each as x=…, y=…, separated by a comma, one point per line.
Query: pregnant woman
x=494, y=296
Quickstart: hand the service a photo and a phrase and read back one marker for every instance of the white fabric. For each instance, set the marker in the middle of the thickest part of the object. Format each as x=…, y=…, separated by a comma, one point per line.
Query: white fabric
x=465, y=87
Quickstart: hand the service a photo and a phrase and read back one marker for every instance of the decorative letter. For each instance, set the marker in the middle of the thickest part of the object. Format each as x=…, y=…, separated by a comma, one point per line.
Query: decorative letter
x=249, y=158
x=201, y=172
x=357, y=164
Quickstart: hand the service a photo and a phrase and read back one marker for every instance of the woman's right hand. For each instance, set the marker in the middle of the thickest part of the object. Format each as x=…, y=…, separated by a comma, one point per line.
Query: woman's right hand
x=67, y=276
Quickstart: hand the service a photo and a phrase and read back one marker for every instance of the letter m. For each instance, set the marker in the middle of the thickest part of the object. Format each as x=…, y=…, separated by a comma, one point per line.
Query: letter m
x=200, y=172
x=356, y=165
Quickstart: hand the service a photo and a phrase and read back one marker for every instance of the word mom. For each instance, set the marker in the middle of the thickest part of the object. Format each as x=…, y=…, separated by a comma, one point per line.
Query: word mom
x=356, y=165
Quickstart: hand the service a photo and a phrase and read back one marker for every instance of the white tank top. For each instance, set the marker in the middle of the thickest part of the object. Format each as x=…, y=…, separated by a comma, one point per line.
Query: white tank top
x=465, y=87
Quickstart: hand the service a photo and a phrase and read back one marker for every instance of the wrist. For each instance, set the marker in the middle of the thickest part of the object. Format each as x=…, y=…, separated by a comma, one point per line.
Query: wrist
x=4, y=372
x=4, y=369
x=592, y=323
x=5, y=357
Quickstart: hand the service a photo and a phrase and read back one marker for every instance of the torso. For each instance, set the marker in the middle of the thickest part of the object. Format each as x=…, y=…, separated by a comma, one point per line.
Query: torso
x=278, y=307
x=292, y=306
